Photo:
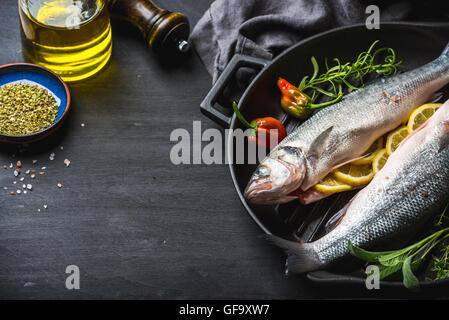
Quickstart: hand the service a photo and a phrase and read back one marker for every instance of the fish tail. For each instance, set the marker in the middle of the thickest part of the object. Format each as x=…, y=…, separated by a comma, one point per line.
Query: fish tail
x=301, y=257
x=446, y=51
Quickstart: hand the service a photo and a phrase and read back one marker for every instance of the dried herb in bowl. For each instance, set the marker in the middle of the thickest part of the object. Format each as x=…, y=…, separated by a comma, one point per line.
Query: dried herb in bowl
x=26, y=109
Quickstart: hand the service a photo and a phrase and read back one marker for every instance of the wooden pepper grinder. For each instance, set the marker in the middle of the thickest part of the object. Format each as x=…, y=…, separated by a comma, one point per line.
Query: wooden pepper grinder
x=164, y=31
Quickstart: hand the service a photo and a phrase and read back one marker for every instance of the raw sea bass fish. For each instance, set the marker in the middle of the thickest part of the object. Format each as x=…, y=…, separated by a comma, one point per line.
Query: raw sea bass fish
x=343, y=132
x=411, y=188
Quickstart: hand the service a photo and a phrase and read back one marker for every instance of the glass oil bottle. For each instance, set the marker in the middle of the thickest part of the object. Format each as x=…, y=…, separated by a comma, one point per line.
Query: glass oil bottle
x=70, y=37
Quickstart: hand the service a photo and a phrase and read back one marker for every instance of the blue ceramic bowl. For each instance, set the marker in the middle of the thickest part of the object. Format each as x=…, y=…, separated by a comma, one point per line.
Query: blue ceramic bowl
x=32, y=74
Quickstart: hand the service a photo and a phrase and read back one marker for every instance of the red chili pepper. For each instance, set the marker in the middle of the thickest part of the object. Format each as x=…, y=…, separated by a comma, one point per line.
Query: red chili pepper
x=265, y=129
x=293, y=101
x=267, y=125
x=285, y=86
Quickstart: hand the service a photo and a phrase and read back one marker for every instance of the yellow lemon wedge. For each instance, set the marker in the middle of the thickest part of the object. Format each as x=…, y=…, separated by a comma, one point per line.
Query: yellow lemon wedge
x=379, y=160
x=355, y=175
x=371, y=152
x=395, y=138
x=421, y=115
x=331, y=185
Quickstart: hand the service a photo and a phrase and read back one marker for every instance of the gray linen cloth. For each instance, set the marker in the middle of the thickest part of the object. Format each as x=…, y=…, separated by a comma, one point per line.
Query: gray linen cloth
x=264, y=28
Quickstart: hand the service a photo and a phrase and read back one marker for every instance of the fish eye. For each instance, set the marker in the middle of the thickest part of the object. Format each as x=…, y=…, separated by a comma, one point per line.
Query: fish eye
x=261, y=172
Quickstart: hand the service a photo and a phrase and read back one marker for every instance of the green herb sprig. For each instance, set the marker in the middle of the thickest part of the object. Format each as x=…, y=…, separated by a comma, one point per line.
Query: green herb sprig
x=409, y=259
x=441, y=265
x=350, y=75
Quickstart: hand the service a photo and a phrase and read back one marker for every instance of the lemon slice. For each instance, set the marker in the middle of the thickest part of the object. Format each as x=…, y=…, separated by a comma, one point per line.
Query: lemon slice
x=421, y=115
x=395, y=138
x=331, y=185
x=379, y=160
x=371, y=152
x=355, y=175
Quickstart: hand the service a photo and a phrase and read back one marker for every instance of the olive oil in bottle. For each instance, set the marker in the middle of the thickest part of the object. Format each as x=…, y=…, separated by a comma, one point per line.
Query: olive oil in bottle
x=70, y=37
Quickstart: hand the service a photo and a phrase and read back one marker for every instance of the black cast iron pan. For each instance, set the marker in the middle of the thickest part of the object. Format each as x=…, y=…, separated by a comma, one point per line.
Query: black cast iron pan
x=414, y=43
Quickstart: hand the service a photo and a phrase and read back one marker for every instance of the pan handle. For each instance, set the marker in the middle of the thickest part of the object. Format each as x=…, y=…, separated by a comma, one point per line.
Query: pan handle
x=238, y=61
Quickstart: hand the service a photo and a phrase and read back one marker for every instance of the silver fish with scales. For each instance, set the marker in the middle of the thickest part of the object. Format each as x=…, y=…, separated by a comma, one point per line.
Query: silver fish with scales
x=412, y=187
x=343, y=132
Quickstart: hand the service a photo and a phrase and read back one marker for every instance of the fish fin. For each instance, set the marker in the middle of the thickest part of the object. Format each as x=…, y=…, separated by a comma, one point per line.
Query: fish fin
x=434, y=98
x=445, y=52
x=444, y=141
x=337, y=218
x=317, y=146
x=301, y=258
x=311, y=195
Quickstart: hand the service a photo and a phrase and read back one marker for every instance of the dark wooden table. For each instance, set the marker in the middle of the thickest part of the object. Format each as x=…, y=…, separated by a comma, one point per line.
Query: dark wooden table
x=136, y=225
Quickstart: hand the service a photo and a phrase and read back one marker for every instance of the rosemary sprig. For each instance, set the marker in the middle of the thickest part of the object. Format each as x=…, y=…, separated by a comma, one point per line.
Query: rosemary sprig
x=350, y=75
x=442, y=217
x=441, y=265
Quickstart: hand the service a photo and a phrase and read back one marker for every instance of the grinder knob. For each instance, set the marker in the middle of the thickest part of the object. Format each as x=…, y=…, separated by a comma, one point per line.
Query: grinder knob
x=164, y=31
